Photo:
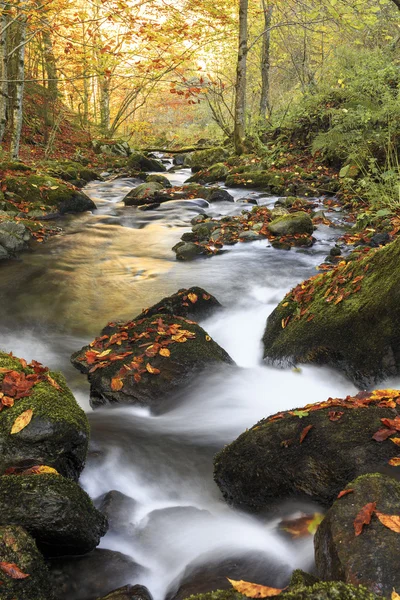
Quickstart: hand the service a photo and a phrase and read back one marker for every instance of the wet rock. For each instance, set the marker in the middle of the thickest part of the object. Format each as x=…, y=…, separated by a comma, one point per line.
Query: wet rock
x=348, y=318
x=54, y=510
x=199, y=219
x=220, y=195
x=298, y=222
x=129, y=592
x=143, y=193
x=142, y=375
x=111, y=147
x=248, y=236
x=188, y=251
x=179, y=159
x=58, y=433
x=71, y=171
x=210, y=572
x=267, y=464
x=140, y=162
x=17, y=547
x=159, y=179
x=92, y=576
x=379, y=239
x=13, y=237
x=193, y=303
x=369, y=559
x=217, y=172
x=202, y=159
x=118, y=510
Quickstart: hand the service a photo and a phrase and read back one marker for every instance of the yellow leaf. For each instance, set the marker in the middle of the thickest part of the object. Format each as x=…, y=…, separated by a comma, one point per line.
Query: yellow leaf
x=253, y=590
x=22, y=421
x=165, y=352
x=395, y=595
x=395, y=441
x=208, y=339
x=102, y=354
x=116, y=384
x=39, y=470
x=395, y=461
x=392, y=522
x=192, y=298
x=54, y=187
x=152, y=370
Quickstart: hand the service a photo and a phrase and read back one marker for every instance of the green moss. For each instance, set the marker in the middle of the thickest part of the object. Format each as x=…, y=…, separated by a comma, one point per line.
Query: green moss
x=202, y=159
x=218, y=595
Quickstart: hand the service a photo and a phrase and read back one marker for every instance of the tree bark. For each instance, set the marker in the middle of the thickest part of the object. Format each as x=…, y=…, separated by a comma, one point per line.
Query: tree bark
x=50, y=64
x=3, y=69
x=265, y=61
x=241, y=73
x=18, y=102
x=104, y=85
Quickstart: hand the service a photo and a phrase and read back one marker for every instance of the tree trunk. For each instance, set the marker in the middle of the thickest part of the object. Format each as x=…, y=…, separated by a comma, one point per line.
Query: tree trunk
x=241, y=72
x=50, y=64
x=18, y=102
x=3, y=68
x=265, y=62
x=104, y=85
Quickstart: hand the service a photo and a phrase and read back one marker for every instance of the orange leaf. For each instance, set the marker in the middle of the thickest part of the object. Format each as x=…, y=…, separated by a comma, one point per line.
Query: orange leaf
x=253, y=590
x=53, y=382
x=192, y=298
x=39, y=470
x=137, y=377
x=395, y=461
x=12, y=570
x=390, y=521
x=305, y=432
x=116, y=384
x=22, y=421
x=152, y=370
x=165, y=352
x=395, y=441
x=364, y=517
x=335, y=415
x=344, y=493
x=395, y=596
x=339, y=299
x=382, y=434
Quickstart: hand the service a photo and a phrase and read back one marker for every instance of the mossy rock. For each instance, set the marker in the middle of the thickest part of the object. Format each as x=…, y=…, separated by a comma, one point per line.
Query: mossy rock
x=268, y=464
x=187, y=251
x=111, y=147
x=58, y=433
x=273, y=182
x=143, y=193
x=18, y=548
x=348, y=318
x=129, y=592
x=159, y=179
x=54, y=510
x=203, y=159
x=13, y=237
x=298, y=222
x=71, y=171
x=369, y=559
x=140, y=162
x=190, y=354
x=49, y=191
x=217, y=172
x=191, y=303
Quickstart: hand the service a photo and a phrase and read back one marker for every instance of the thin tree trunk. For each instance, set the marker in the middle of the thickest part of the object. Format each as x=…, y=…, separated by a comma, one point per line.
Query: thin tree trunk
x=104, y=85
x=265, y=61
x=241, y=72
x=3, y=69
x=18, y=103
x=50, y=64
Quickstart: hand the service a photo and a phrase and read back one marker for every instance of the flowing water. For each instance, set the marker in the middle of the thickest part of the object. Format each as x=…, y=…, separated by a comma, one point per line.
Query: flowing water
x=109, y=265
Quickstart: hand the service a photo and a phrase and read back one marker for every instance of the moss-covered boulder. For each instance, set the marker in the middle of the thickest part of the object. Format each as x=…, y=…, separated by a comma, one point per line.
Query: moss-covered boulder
x=348, y=318
x=17, y=548
x=146, y=360
x=140, y=162
x=71, y=171
x=129, y=592
x=48, y=191
x=217, y=172
x=273, y=182
x=13, y=237
x=58, y=432
x=54, y=510
x=203, y=159
x=370, y=558
x=93, y=575
x=298, y=222
x=186, y=251
x=111, y=147
x=192, y=303
x=309, y=453
x=159, y=179
x=143, y=193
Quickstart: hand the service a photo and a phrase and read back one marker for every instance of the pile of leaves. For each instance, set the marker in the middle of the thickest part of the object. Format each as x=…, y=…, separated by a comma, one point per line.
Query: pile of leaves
x=155, y=340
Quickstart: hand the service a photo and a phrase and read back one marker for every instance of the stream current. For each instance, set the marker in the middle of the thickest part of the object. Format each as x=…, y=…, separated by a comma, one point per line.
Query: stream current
x=108, y=266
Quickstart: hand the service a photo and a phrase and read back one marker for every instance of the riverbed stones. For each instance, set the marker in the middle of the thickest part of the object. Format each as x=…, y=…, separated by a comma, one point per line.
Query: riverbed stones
x=203, y=159
x=57, y=513
x=93, y=575
x=371, y=558
x=159, y=179
x=187, y=251
x=140, y=162
x=298, y=222
x=348, y=318
x=13, y=238
x=18, y=548
x=217, y=172
x=309, y=453
x=143, y=193
x=72, y=171
x=58, y=433
x=193, y=303
x=129, y=592
x=146, y=360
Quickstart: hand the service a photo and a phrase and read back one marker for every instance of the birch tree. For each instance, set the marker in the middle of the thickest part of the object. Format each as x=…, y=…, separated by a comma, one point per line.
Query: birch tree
x=241, y=77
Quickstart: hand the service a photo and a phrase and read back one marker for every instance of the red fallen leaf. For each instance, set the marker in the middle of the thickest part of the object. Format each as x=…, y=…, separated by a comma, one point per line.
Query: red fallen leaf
x=12, y=570
x=90, y=357
x=335, y=415
x=38, y=368
x=392, y=423
x=276, y=417
x=382, y=434
x=304, y=433
x=344, y=493
x=364, y=517
x=395, y=461
x=137, y=377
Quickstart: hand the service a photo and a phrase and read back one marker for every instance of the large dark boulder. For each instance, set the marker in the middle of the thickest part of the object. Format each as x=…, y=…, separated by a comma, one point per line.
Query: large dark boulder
x=58, y=433
x=18, y=548
x=54, y=510
x=119, y=510
x=273, y=461
x=146, y=360
x=143, y=193
x=297, y=222
x=140, y=162
x=93, y=575
x=371, y=558
x=129, y=592
x=191, y=303
x=348, y=318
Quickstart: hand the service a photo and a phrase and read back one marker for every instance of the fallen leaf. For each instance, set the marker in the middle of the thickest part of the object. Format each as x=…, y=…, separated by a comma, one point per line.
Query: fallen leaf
x=192, y=298
x=303, y=526
x=22, y=421
x=116, y=384
x=395, y=595
x=53, y=382
x=12, y=570
x=335, y=415
x=305, y=432
x=208, y=339
x=299, y=413
x=390, y=521
x=364, y=517
x=344, y=493
x=152, y=370
x=395, y=461
x=382, y=434
x=253, y=590
x=39, y=470
x=395, y=441
x=165, y=352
